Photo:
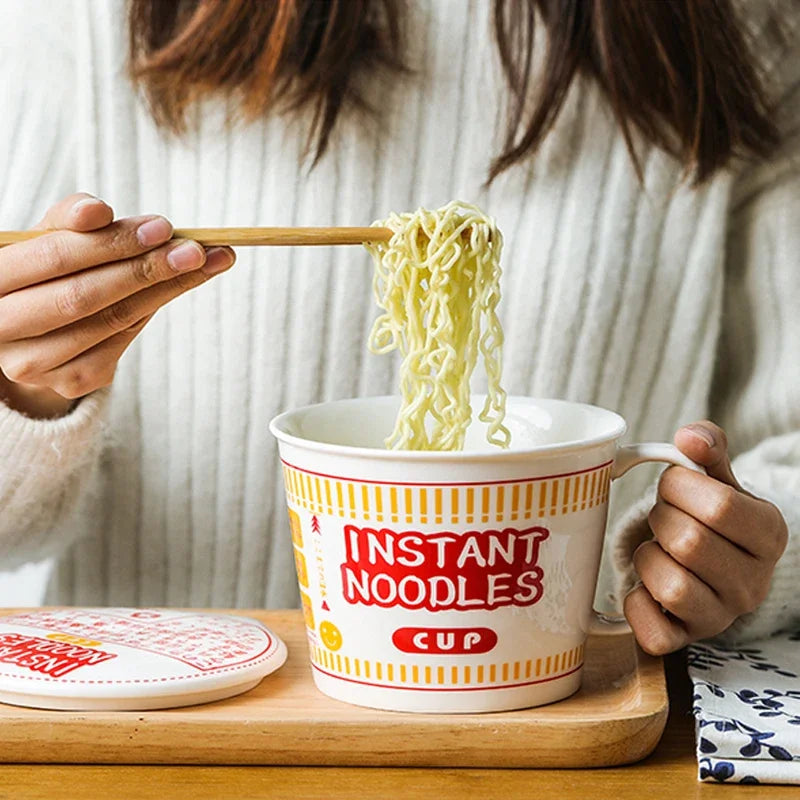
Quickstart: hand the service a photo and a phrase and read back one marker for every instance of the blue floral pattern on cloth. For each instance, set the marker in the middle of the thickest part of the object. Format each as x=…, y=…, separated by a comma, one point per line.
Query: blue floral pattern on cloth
x=746, y=703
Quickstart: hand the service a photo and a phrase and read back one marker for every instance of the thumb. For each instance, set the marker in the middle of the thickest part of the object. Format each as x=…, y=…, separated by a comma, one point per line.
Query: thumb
x=706, y=443
x=77, y=212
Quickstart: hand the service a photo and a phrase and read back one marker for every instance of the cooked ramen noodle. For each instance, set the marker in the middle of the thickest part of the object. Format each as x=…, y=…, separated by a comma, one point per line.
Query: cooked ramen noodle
x=438, y=283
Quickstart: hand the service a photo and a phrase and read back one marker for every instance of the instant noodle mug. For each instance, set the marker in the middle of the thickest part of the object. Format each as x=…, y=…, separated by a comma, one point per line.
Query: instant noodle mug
x=451, y=581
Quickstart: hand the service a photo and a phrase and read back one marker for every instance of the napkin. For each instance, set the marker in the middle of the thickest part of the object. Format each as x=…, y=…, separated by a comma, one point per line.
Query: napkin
x=746, y=703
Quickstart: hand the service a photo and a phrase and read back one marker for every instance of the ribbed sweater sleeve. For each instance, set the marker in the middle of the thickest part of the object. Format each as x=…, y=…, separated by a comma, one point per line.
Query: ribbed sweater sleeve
x=759, y=365
x=756, y=393
x=47, y=467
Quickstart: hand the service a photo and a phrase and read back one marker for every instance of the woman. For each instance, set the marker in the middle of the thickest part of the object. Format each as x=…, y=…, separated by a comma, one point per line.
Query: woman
x=646, y=181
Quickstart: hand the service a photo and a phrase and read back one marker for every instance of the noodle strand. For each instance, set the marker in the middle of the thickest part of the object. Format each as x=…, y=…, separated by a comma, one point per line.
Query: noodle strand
x=438, y=283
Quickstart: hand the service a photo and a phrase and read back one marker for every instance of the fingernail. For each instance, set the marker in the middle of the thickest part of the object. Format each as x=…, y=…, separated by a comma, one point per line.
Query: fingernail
x=86, y=201
x=187, y=255
x=702, y=433
x=218, y=259
x=154, y=231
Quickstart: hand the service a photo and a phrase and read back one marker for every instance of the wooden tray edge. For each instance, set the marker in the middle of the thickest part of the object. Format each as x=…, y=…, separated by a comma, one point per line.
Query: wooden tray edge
x=345, y=743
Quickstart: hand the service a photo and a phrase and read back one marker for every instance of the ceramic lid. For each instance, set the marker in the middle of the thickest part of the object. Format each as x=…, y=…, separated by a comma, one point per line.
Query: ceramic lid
x=130, y=658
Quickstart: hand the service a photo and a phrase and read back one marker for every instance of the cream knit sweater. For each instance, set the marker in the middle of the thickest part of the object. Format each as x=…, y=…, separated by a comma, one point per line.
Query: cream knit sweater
x=663, y=302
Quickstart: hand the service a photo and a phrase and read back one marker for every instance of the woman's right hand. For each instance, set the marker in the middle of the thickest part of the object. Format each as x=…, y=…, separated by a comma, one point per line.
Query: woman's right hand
x=73, y=299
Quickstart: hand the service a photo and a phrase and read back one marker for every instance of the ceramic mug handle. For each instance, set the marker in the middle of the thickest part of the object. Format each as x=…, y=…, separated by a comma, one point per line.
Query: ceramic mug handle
x=627, y=457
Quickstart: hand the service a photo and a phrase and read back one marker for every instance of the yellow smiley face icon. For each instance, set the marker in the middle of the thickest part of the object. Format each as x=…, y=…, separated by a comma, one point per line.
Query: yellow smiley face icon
x=331, y=635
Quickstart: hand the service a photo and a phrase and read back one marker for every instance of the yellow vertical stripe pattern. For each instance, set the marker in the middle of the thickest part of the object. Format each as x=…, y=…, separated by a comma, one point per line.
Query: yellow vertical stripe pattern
x=365, y=500
x=318, y=493
x=520, y=672
x=410, y=504
x=504, y=673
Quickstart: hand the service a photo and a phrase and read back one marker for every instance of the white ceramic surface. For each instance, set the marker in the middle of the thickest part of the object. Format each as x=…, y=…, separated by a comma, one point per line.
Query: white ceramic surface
x=130, y=658
x=458, y=581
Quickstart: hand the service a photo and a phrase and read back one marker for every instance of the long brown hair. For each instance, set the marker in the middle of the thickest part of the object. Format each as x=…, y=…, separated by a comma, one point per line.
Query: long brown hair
x=677, y=71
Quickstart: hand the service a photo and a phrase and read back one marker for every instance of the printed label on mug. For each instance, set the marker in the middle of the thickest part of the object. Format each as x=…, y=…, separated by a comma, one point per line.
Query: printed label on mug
x=447, y=587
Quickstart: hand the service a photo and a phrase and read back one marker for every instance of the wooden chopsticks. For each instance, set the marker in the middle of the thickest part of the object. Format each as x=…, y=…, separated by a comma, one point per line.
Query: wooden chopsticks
x=252, y=237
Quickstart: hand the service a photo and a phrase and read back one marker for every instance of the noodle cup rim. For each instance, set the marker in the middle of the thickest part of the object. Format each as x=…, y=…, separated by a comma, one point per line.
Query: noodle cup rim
x=445, y=455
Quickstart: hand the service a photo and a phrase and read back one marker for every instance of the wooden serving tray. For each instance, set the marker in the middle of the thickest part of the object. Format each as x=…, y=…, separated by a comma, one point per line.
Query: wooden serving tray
x=617, y=717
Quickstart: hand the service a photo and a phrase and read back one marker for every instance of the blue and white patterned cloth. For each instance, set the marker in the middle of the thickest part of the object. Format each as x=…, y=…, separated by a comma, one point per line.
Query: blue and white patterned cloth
x=746, y=703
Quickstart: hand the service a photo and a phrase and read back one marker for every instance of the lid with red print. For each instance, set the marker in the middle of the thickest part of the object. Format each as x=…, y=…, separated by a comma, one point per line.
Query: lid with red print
x=130, y=659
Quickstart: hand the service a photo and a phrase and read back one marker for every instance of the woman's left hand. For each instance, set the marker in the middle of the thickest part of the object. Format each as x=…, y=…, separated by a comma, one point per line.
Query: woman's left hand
x=714, y=551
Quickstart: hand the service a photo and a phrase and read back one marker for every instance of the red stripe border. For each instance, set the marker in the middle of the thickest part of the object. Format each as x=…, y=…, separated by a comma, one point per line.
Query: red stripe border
x=446, y=688
x=448, y=483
